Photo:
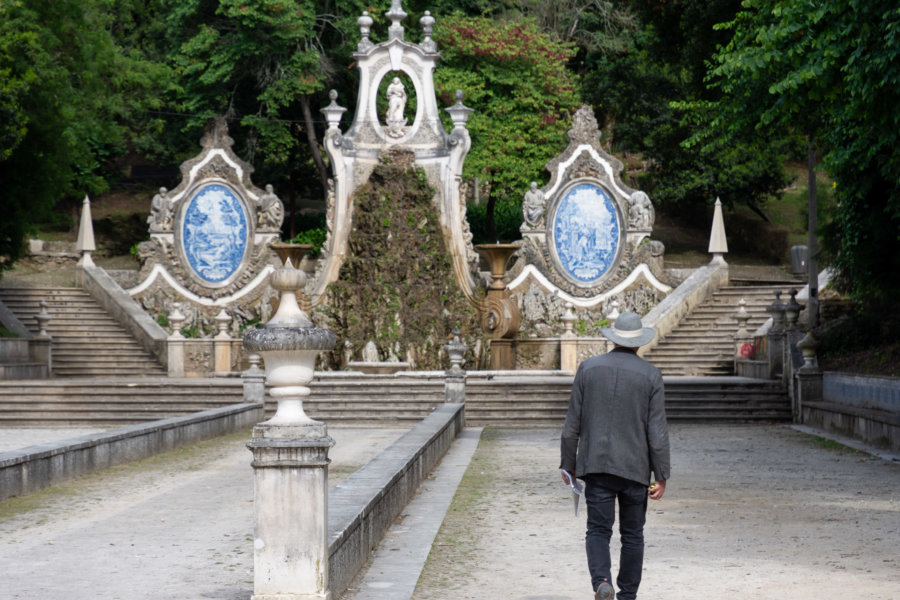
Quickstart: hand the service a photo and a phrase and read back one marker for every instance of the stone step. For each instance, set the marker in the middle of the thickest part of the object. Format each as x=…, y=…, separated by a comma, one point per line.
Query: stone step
x=707, y=333
x=686, y=343
x=343, y=400
x=87, y=342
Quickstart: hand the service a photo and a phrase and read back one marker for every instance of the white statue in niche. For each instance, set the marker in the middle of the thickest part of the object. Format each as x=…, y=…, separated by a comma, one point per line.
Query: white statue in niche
x=533, y=206
x=396, y=122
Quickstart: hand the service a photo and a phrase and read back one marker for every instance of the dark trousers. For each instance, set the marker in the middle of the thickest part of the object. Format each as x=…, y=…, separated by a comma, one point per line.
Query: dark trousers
x=601, y=493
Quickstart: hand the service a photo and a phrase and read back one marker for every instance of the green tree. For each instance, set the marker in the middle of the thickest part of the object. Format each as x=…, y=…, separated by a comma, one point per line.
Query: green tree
x=639, y=90
x=832, y=71
x=265, y=65
x=70, y=98
x=515, y=78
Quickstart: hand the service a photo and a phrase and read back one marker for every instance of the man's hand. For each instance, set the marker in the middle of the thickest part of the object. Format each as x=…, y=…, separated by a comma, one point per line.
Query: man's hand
x=571, y=475
x=656, y=490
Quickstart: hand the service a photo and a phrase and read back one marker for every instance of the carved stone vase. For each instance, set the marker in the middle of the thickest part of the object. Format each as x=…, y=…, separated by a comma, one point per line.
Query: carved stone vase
x=500, y=316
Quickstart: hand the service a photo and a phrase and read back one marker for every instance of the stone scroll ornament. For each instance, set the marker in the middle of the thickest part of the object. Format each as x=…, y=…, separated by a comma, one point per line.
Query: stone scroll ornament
x=585, y=234
x=210, y=236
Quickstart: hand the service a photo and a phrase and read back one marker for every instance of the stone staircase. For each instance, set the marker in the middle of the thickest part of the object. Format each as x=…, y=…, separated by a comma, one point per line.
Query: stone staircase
x=545, y=400
x=87, y=342
x=501, y=400
x=89, y=402
x=703, y=342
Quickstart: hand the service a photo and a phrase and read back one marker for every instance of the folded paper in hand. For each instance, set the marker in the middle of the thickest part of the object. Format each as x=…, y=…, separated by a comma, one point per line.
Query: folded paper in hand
x=577, y=489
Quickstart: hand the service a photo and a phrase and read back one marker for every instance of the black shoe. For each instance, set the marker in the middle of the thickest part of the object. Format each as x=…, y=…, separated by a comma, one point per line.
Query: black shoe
x=605, y=592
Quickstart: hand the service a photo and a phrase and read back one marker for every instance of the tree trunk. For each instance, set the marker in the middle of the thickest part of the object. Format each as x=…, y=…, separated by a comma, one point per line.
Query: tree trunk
x=292, y=195
x=759, y=211
x=489, y=217
x=313, y=142
x=812, y=247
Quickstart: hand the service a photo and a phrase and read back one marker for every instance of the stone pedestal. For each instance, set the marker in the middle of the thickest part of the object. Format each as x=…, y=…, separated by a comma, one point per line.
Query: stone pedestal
x=809, y=376
x=175, y=343
x=500, y=316
x=254, y=380
x=41, y=351
x=222, y=345
x=290, y=549
x=290, y=450
x=775, y=340
x=568, y=342
x=455, y=376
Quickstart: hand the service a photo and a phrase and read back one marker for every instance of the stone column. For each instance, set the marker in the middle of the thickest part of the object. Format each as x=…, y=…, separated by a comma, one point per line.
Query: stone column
x=792, y=335
x=568, y=342
x=742, y=336
x=455, y=376
x=809, y=376
x=42, y=344
x=775, y=341
x=175, y=342
x=222, y=345
x=290, y=452
x=254, y=380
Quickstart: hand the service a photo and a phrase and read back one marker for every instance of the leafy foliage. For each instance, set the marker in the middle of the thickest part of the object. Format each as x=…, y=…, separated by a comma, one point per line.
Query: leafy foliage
x=71, y=98
x=515, y=78
x=640, y=93
x=832, y=71
x=249, y=60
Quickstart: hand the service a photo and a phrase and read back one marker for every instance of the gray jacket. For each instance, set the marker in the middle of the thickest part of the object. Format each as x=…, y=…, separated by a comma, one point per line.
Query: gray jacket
x=616, y=422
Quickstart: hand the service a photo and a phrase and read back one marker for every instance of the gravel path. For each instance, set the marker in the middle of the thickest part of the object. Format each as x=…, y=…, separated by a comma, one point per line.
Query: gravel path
x=178, y=525
x=751, y=512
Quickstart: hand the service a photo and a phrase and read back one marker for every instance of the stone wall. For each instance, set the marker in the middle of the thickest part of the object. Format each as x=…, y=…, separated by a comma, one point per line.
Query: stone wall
x=866, y=408
x=363, y=507
x=30, y=469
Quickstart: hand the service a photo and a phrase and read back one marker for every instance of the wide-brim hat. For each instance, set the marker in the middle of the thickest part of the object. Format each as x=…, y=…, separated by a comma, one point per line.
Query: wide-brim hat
x=628, y=331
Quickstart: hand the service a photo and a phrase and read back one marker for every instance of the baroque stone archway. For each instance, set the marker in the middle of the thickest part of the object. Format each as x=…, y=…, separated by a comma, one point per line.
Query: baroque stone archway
x=355, y=153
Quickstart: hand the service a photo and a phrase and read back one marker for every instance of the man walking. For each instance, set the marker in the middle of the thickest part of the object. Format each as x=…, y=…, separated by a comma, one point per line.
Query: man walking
x=616, y=434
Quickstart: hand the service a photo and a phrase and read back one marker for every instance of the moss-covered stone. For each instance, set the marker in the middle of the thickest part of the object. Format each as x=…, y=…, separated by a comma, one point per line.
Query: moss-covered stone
x=396, y=286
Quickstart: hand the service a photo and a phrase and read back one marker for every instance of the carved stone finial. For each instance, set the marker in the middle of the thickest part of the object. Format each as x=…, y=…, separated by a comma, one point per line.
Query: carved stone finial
x=427, y=23
x=85, y=242
x=396, y=15
x=43, y=317
x=365, y=26
x=584, y=126
x=215, y=134
x=333, y=112
x=456, y=350
x=459, y=112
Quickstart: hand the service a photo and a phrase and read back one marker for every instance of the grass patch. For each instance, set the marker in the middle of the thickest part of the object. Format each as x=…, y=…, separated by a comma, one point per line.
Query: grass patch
x=462, y=526
x=791, y=210
x=835, y=446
